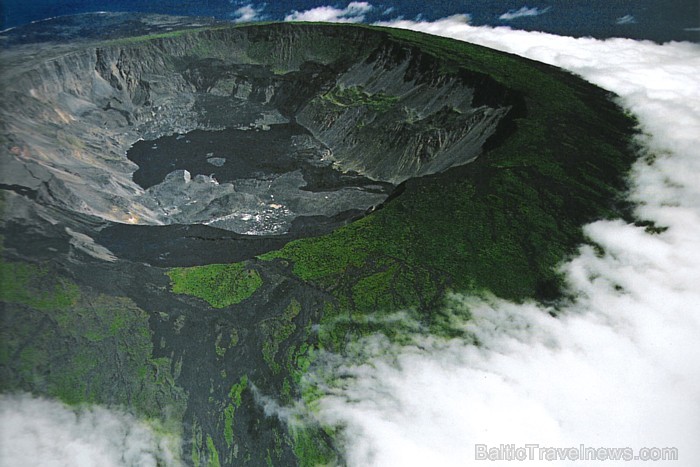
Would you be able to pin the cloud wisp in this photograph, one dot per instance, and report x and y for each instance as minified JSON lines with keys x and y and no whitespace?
{"x":36,"y":431}
{"x":523,"y":13}
{"x":619,"y":367}
{"x":248,"y":13}
{"x":627,"y":19}
{"x":353,"y":13}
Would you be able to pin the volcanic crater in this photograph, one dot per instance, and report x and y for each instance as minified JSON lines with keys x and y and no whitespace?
{"x":277,"y":131}
{"x":193,"y":211}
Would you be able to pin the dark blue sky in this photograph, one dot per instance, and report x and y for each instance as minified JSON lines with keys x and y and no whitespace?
{"x":640,"y":19}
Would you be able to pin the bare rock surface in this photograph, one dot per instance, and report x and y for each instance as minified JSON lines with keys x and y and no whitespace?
{"x":366,"y":119}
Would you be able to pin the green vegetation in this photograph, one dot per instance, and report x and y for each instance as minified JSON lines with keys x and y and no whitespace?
{"x":502,"y":223}
{"x":213,"y":455}
{"x":228,"y":424}
{"x":221,"y":285}
{"x":275,"y":331}
{"x":220,"y":351}
{"x":161,"y":35}
{"x":355,"y":96}
{"x":34,"y":286}
{"x":237,"y":391}
{"x":224,"y":342}
{"x":235,"y":397}
{"x":308,"y":449}
{"x":196,"y":444}
{"x":70,"y":343}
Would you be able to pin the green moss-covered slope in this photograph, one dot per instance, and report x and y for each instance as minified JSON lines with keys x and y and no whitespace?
{"x":219,"y":284}
{"x":77,"y":345}
{"x":501,"y":223}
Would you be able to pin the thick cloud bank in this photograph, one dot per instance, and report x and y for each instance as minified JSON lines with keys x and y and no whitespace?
{"x":45,"y":433}
{"x":619,"y":367}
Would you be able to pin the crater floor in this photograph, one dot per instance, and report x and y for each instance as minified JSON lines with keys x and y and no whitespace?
{"x":254,"y":181}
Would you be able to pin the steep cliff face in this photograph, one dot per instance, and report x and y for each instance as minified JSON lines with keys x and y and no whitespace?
{"x":382,"y":109}
{"x":396,"y":115}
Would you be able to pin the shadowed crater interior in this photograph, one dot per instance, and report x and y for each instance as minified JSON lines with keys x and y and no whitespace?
{"x":251,"y":181}
{"x":263,"y":134}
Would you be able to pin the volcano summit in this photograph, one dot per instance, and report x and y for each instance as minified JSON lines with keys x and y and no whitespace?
{"x":192,"y":210}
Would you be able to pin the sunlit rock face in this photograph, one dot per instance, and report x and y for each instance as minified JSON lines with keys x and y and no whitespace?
{"x":246,"y":129}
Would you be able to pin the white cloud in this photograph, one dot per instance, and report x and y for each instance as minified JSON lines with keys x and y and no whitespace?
{"x":353,"y":13}
{"x":621,"y":366}
{"x":46,"y":433}
{"x":627,"y":19}
{"x":291,"y":415}
{"x":523,"y":12}
{"x":248,"y":13}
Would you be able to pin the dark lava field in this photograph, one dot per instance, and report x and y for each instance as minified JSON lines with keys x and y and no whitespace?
{"x":192,"y":210}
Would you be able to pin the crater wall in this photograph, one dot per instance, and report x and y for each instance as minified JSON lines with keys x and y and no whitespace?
{"x":382,"y":109}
